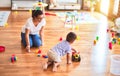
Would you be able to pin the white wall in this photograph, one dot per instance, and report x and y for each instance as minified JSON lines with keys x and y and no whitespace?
{"x":5,"y":3}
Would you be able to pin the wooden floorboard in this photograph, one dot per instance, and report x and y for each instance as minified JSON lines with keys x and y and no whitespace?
{"x":95,"y":58}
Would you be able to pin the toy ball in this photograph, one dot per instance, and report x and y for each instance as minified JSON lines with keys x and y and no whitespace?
{"x":76,"y":57}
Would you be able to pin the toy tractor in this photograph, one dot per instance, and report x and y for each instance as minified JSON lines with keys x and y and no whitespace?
{"x":76,"y":57}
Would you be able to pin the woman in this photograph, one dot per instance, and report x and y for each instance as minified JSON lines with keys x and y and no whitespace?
{"x":32,"y":31}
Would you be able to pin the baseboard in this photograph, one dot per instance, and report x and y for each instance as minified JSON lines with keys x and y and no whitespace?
{"x":5,"y":8}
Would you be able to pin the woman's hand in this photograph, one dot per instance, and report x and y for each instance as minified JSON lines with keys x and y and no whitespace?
{"x":28,"y":48}
{"x":42,"y":44}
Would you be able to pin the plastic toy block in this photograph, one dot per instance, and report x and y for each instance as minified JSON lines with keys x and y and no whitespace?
{"x":94,"y":42}
{"x":110,"y":45}
{"x":60,"y":39}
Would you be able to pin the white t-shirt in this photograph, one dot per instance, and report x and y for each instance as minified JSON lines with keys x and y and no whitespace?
{"x":33,"y":29}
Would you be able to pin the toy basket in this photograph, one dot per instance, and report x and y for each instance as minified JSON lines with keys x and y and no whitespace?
{"x":76,"y":58}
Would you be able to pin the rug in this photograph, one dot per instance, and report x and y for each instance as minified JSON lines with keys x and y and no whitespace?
{"x":80,"y":18}
{"x":4,"y":17}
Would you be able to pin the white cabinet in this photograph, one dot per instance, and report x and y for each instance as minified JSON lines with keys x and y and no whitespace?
{"x":66,"y":5}
{"x":22,"y":4}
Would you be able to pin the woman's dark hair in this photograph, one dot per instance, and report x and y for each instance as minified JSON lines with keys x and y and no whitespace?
{"x":36,"y":13}
{"x":71,"y":36}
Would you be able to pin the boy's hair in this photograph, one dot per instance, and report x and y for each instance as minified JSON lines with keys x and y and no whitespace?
{"x":71,"y":36}
{"x":36,"y":13}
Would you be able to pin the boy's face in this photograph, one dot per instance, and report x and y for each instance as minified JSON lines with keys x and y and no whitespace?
{"x":72,"y":42}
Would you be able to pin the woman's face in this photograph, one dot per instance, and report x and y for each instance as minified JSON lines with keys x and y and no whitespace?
{"x":39,"y":18}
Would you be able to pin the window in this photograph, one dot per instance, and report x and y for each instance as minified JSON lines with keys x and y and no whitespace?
{"x":116,"y":6}
{"x":104,"y":6}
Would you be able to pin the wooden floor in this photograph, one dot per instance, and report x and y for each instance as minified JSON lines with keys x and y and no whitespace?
{"x":95,"y":58}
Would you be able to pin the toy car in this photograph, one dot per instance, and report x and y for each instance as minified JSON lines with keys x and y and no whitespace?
{"x":76,"y":57}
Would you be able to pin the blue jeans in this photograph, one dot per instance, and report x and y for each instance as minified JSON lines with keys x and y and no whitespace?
{"x":33,"y":39}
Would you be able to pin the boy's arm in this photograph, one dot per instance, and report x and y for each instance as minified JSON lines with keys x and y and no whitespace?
{"x":69,"y":58}
{"x":74,"y":50}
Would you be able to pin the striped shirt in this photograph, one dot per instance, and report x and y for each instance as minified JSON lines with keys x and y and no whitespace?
{"x":62,"y":48}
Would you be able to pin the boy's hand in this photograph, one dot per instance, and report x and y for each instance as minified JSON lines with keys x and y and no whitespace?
{"x":69,"y":62}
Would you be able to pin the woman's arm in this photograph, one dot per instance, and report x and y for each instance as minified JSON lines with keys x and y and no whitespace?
{"x":42,"y":34}
{"x":27,"y":39}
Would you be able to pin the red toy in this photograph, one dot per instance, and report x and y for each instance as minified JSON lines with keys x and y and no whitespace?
{"x":52,"y":14}
{"x":107,"y":30}
{"x":13,"y":58}
{"x":113,"y":34}
{"x":60,"y":39}
{"x":44,"y":56}
{"x":39,"y":52}
{"x":2,"y":48}
{"x":110,"y":45}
